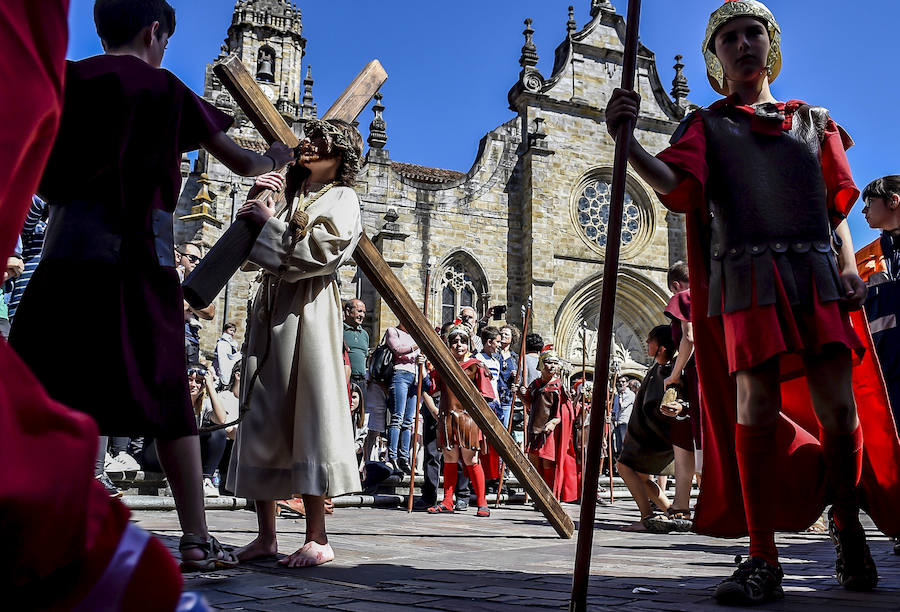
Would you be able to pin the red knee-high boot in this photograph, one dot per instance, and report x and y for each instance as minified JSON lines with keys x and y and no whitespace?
{"x":843,"y":467}
{"x":450,"y":477}
{"x":476,"y":475}
{"x":755,"y":446}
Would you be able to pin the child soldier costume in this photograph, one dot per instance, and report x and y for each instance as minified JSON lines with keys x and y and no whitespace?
{"x":548,"y":400}
{"x":456,"y":429}
{"x":766,"y":186}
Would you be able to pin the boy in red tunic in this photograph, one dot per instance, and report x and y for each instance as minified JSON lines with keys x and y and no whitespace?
{"x":549,"y":441}
{"x":112,"y":183}
{"x":457,"y":433}
{"x":767,"y":187}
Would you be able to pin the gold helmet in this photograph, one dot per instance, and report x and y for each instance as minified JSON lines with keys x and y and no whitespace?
{"x":732,"y":9}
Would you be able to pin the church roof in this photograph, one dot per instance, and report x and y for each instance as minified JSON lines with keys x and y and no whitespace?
{"x":424,"y":173}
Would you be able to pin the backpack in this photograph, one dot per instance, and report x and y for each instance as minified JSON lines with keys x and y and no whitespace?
{"x":381,"y":368}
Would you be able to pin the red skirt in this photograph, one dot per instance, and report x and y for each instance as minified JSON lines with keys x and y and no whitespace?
{"x":758,"y":333}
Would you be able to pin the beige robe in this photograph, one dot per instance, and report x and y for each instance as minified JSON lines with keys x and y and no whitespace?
{"x":297,"y":436}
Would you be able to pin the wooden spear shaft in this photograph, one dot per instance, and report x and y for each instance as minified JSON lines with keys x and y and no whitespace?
{"x":526,"y":315}
{"x":415,"y":435}
{"x":607,"y":427}
{"x":578,"y":602}
{"x":583,"y":383}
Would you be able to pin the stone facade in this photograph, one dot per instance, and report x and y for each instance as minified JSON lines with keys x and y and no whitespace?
{"x":527,"y":219}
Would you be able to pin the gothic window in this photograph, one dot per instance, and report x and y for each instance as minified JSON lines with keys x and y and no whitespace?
{"x":462,"y":285}
{"x":590,"y":212}
{"x":265,"y":65}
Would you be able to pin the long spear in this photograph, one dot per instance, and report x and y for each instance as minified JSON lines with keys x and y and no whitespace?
{"x":520,"y":373}
{"x":415,"y":436}
{"x":583,"y":390}
{"x":607,"y":429}
{"x":578,"y":603}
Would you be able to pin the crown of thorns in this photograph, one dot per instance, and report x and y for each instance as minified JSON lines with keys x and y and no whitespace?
{"x":337,"y":141}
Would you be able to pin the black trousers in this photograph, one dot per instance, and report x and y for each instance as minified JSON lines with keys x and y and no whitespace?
{"x":433,"y":464}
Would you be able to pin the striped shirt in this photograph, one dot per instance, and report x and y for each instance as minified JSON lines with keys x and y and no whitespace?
{"x":32,"y":243}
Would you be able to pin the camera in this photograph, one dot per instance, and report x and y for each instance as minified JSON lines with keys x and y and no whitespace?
{"x":499,"y":311}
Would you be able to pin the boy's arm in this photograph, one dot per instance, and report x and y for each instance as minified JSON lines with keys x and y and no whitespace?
{"x":685,"y":350}
{"x":244,"y":161}
{"x":663,"y":178}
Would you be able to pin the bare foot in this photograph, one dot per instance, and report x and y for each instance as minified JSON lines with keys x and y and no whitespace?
{"x":311,"y":553}
{"x":257,"y":549}
{"x":637,"y":527}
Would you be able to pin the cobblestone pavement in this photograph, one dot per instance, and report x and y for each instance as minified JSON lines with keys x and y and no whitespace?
{"x":390,"y":560}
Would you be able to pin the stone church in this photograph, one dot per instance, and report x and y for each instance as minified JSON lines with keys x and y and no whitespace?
{"x":541,"y":181}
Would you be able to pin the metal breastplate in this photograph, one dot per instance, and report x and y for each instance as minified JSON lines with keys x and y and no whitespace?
{"x":767,"y":202}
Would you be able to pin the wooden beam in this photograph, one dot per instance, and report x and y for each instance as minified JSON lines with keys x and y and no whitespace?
{"x":243,"y":88}
{"x":398,"y":299}
{"x":271,"y":125}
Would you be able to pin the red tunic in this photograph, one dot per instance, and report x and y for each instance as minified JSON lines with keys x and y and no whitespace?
{"x":558,"y":446}
{"x":685,"y":432}
{"x":457,"y":428}
{"x":84,"y":326}
{"x":800,"y":486}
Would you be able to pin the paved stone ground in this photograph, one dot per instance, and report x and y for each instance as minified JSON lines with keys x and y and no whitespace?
{"x":390,"y":560}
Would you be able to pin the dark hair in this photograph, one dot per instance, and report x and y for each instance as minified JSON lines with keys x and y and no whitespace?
{"x":678,"y":272}
{"x":489,"y":333}
{"x":230,"y":324}
{"x":883,"y":187}
{"x":533,"y":343}
{"x":663,"y":336}
{"x":119,"y":21}
{"x":235,"y":372}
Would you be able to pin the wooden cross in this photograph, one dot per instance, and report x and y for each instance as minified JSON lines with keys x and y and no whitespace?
{"x":272,"y":127}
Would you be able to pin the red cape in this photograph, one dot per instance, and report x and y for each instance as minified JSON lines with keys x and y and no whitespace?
{"x":800,"y":482}
{"x":565,"y":478}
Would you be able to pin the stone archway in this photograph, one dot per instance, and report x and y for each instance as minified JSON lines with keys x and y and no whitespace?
{"x":639,"y":307}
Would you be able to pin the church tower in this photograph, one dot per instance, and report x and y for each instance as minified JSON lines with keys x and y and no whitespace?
{"x":266,"y":36}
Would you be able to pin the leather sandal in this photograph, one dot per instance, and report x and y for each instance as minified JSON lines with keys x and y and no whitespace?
{"x":215,"y":556}
{"x":681,"y":518}
{"x":440,"y":509}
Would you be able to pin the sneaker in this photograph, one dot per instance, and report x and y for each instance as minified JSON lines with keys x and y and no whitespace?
{"x":483,"y":511}
{"x":854,"y":567}
{"x":123,"y":462}
{"x":108,"y":463}
{"x":114,"y":491}
{"x":461,"y":505}
{"x":753,"y":582}
{"x":209,"y":489}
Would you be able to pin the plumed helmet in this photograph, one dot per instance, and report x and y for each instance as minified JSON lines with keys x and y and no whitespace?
{"x":547,"y":354}
{"x":732,"y":9}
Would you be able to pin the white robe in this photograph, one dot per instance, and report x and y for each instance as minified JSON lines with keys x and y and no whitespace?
{"x":297,"y":436}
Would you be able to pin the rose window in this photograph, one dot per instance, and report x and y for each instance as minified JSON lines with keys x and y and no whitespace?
{"x":593,"y":214}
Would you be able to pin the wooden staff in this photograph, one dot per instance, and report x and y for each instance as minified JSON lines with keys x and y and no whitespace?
{"x":583,"y":383}
{"x":415,"y":436}
{"x":607,"y":426}
{"x":578,"y":602}
{"x":520,"y":373}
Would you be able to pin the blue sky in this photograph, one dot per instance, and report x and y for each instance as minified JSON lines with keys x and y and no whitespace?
{"x":450,"y":64}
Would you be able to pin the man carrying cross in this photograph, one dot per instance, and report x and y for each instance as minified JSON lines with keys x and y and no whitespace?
{"x":296,"y":436}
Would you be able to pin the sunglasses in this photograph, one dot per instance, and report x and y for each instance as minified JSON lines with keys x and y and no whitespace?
{"x":198,"y":372}
{"x":193,"y":258}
